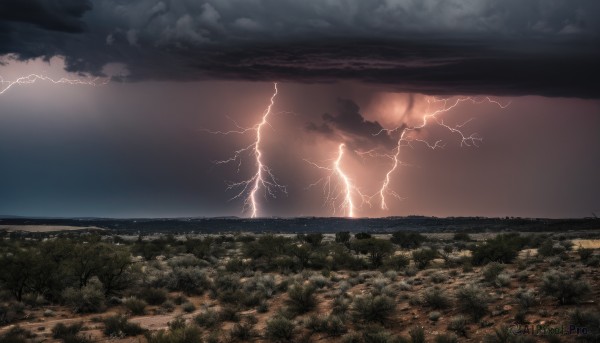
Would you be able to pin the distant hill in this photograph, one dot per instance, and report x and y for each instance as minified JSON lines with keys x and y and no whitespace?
{"x":314,"y":224}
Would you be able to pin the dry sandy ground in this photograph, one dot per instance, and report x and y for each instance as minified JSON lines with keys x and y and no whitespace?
{"x":45,"y":228}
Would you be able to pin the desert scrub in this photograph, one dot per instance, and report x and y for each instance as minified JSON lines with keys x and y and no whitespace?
{"x":526,"y":298}
{"x":564,"y":288}
{"x":191,"y":280}
{"x":434,"y":316}
{"x":242,"y":332}
{"x":373,"y":309}
{"x":438,"y":277}
{"x":119,"y":326}
{"x":68,"y":333}
{"x":89,"y":298}
{"x":435,"y":298}
{"x":446,"y":338}
{"x":208,"y":319}
{"x":136,"y":306}
{"x":423,"y":257}
{"x":473,"y":301}
{"x":491,"y":271}
{"x":417,"y":334}
{"x":187,"y":334}
{"x":188,"y":307}
{"x":459,"y":325}
{"x":279,"y":330}
{"x":153,"y":296}
{"x":301,"y":299}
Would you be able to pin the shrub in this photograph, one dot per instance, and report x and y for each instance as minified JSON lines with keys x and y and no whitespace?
{"x":16,"y":335}
{"x":564,"y":288}
{"x":397,"y":262}
{"x":373,"y":309}
{"x":503,"y":248}
{"x":119,"y":326}
{"x":342,"y":237}
{"x":472,"y":301}
{"x":434,"y":316}
{"x":89,"y":298}
{"x":458,"y":324}
{"x":68,"y":333}
{"x":438,"y":277}
{"x":191,"y":280}
{"x":188,"y":307}
{"x":136,"y":306}
{"x":491,"y":271}
{"x":153,"y":296}
{"x":417,"y":334}
{"x":208,"y":319}
{"x":301,"y":299}
{"x":435,"y":298}
{"x":526,"y":298}
{"x":279,"y":329}
{"x":423,"y":257}
{"x":446,"y":338}
{"x":242,"y":332}
{"x":362,"y":235}
{"x":188,"y":334}
{"x":407,"y":240}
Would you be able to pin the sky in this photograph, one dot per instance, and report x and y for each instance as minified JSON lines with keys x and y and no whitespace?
{"x":495,"y":105}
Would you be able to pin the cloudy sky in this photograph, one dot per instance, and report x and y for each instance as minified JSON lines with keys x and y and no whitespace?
{"x":348,"y":72}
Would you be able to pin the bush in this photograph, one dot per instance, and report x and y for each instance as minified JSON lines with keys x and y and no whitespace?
{"x":435,"y":298}
{"x":397,"y":262}
{"x":564,"y":288}
{"x":69,"y":333}
{"x":472,"y":301}
{"x":491,"y":271}
{"x":423,"y":257}
{"x":362,"y":235}
{"x":242,"y":332}
{"x":136,"y":306}
{"x":342,"y":237}
{"x":526,"y":299}
{"x":191,"y":280}
{"x":153,"y":296}
{"x":188,"y":307}
{"x":279,"y":329}
{"x":458,"y":324}
{"x":417,"y":334}
{"x":188,"y":334}
{"x":446,"y":338}
{"x":208,"y":319}
{"x":407,"y":240}
{"x":89,"y":298}
{"x":301,"y":299}
{"x":16,"y":335}
{"x":119,"y":326}
{"x":503,"y":248}
{"x":373,"y":309}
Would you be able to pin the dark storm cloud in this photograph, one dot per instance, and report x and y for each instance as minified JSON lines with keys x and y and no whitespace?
{"x":349,"y":125}
{"x":53,"y":15}
{"x":497,"y":47}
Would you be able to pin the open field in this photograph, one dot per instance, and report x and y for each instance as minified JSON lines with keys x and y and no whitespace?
{"x":363,"y":288}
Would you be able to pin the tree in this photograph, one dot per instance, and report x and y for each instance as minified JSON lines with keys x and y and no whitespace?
{"x":407,"y":240}
{"x":17,"y":271}
{"x":375,"y":248}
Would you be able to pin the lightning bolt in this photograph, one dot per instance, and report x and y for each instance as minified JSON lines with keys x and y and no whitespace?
{"x":405,"y":138}
{"x":32,"y":78}
{"x":344,"y":189}
{"x":263,"y":176}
